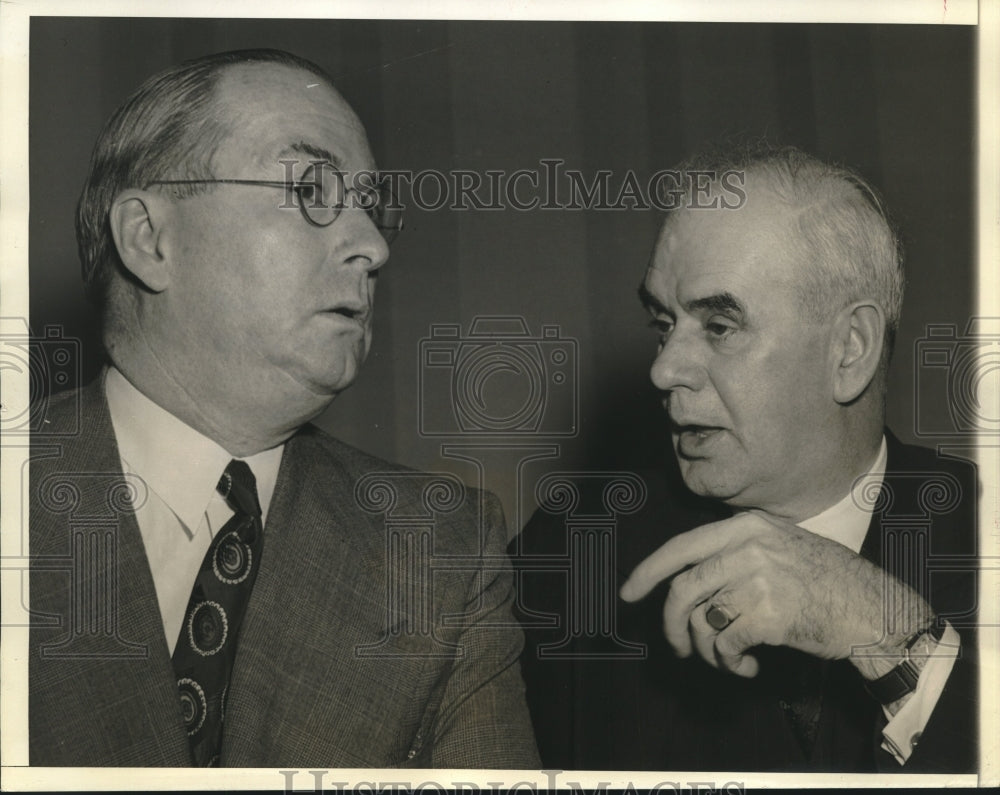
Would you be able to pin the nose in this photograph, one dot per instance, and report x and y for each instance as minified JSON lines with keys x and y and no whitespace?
{"x":362,"y":242}
{"x":676,"y":365}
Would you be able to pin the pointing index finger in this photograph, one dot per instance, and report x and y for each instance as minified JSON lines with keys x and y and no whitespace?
{"x":677,"y":554}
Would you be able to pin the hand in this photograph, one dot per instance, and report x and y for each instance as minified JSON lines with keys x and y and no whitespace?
{"x":782,"y":586}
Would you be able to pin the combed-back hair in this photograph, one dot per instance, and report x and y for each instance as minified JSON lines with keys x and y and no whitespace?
{"x":848,"y":246}
{"x":169,"y":128}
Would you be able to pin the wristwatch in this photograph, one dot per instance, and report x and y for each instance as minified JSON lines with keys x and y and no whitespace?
{"x":902,"y":679}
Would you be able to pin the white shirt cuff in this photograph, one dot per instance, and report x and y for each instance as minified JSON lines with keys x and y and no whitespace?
{"x":902,"y":733}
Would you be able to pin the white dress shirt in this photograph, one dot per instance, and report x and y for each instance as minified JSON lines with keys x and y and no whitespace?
{"x":847,"y":523}
{"x":182,"y":511}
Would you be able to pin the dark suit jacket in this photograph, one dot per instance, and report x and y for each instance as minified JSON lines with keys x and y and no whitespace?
{"x":359,"y":648}
{"x":606,"y":710}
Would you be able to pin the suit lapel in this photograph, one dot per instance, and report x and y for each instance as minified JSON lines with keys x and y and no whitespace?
{"x":319,"y":546}
{"x":119,"y":645}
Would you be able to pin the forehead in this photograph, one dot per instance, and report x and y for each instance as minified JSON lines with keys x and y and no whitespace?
{"x":276,"y":112}
{"x":744,"y":251}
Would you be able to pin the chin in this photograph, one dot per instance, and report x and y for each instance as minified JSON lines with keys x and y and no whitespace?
{"x":324,"y":382}
{"x":707,"y":481}
{"x":330,"y":369}
{"x":334,"y":385}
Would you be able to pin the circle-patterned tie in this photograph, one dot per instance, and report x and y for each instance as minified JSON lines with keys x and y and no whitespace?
{"x":205,"y":650}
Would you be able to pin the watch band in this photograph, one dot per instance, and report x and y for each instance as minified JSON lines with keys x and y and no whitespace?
{"x":902,"y":679}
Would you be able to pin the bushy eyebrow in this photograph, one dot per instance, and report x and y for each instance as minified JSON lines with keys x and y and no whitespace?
{"x":650,"y":301}
{"x":722,"y":302}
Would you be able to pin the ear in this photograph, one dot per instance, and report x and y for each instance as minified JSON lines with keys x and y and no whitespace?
{"x":860,"y":337}
{"x":137,"y":221}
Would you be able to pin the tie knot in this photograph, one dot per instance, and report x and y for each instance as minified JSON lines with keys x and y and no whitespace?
{"x":239,"y":488}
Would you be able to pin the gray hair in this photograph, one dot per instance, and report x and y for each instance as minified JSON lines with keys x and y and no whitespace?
{"x":167,"y":129}
{"x":848,"y":244}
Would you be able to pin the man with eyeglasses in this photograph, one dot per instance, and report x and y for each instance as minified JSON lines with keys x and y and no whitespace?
{"x":249,"y":605}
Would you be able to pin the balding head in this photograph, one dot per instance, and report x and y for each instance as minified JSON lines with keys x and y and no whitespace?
{"x":847,"y":247}
{"x":169,"y":128}
{"x":238,"y":286}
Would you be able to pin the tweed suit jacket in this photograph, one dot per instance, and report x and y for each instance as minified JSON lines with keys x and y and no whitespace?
{"x":378,"y":632}
{"x":599,"y":706}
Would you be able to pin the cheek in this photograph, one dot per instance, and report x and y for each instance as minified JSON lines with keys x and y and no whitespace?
{"x":766,"y":396}
{"x":752,"y":389}
{"x":270,"y":279}
{"x":784,"y":396}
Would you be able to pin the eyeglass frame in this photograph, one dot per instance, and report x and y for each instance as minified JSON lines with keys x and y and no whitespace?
{"x":388,"y":232}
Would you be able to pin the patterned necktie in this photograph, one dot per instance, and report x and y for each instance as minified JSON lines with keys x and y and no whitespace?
{"x":206,"y":647}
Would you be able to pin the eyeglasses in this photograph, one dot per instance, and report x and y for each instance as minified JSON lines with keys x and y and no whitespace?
{"x":321,"y":194}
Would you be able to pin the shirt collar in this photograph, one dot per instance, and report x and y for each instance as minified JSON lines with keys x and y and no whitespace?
{"x":847,"y":521}
{"x":177,"y":462}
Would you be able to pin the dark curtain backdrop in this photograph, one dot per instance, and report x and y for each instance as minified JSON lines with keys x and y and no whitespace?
{"x":896,"y":102}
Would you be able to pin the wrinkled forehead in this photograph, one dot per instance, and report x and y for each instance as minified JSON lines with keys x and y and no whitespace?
{"x":276,"y":112}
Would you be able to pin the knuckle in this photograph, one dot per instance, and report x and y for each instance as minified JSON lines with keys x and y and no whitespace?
{"x":754,"y":556}
{"x":728,"y":643}
{"x":767,"y":615}
{"x":761,"y":587}
{"x":684,"y":579}
{"x":770,"y":628}
{"x":758,"y":522}
{"x":710,"y":567}
{"x":739,"y":637}
{"x":683,"y":587}
{"x":724,"y":599}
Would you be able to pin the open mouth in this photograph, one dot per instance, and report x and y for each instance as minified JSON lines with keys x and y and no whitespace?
{"x":694,"y":439}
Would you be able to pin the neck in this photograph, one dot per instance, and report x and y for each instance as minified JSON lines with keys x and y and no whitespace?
{"x":848,"y":454}
{"x":242,"y":427}
{"x":833,"y":488}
